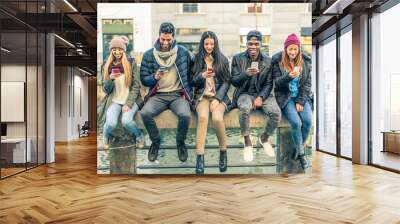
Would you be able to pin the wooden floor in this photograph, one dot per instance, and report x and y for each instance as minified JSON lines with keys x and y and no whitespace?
{"x":70,"y":191}
{"x":10,"y":171}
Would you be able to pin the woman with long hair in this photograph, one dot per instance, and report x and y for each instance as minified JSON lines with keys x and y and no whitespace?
{"x":292,"y":78}
{"x":211,"y":82}
{"x":122,"y":88}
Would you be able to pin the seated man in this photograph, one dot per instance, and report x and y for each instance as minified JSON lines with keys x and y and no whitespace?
{"x":251,"y":75}
{"x":165,"y":69}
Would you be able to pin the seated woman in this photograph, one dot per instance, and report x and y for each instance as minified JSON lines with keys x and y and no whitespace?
{"x":292,"y":77}
{"x":122,"y":92}
{"x":211,"y":81}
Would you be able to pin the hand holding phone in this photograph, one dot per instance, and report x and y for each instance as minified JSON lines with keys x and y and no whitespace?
{"x":161,"y":72}
{"x":254,"y":65}
{"x":210,"y":72}
{"x":253,"y":70}
{"x":163,"y":69}
{"x":296,"y":72}
{"x":115,"y":72}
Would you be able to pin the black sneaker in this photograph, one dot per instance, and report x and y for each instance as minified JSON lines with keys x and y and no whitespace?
{"x":200,"y":165}
{"x":223,"y":161}
{"x":153,"y":151}
{"x":182,"y":151}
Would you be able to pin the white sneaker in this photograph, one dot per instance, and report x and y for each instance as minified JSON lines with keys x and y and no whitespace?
{"x":269,"y":151}
{"x":140,"y":142}
{"x":248,"y":153}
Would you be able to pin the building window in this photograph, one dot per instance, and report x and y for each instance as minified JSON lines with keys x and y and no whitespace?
{"x":117,"y":27}
{"x":309,"y":8}
{"x":191,"y":46}
{"x":254,"y":8}
{"x":190,"y":7}
{"x":346,"y":94}
{"x":107,"y":21}
{"x":306,"y":39}
{"x":306,"y":43}
{"x":190,"y":31}
{"x":265,"y":43}
{"x":385,"y":90}
{"x":117,"y":21}
{"x":327,"y":96}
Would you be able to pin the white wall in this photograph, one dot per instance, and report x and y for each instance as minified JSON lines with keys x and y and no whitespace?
{"x":14,"y":73}
{"x":69,"y":82}
{"x":33,"y":126}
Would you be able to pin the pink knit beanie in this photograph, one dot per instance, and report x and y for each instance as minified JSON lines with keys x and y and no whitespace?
{"x":292,"y":39}
{"x":120,"y":41}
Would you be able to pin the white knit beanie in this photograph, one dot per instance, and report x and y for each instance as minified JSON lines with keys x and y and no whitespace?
{"x":120,"y":41}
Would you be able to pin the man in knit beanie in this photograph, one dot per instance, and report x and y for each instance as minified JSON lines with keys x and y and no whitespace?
{"x":251,"y":75}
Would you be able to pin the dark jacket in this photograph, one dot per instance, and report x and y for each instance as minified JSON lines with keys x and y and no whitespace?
{"x":149,"y":67}
{"x":221,"y":86}
{"x":240,"y":63}
{"x":282,"y":79}
{"x":108,"y":88}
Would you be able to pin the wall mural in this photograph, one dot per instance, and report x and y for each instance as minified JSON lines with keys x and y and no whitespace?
{"x":210,"y":90}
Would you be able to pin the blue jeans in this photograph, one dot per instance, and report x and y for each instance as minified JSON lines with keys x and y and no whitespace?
{"x":300,"y":123}
{"x":127,"y":119}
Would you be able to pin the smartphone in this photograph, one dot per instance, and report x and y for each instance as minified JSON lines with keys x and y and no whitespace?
{"x":254,"y":64}
{"x":296,"y":69}
{"x":115,"y":70}
{"x":163,"y":69}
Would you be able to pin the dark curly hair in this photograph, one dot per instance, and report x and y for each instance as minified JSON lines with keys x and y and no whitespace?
{"x":167,"y":28}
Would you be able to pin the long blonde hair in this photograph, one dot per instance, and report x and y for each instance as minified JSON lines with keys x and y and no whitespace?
{"x":125,"y":64}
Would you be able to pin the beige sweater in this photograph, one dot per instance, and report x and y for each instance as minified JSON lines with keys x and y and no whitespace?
{"x":121,"y":91}
{"x":170,"y":81}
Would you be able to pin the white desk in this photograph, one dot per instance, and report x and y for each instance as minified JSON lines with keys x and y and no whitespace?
{"x":18,"y":145}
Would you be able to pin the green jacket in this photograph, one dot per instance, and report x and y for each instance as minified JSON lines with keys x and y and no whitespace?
{"x":108,"y":88}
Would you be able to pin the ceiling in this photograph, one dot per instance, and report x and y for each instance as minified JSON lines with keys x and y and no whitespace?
{"x":330,"y":15}
{"x":76,"y":20}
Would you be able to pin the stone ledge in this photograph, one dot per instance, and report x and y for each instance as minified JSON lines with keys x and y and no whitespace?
{"x":167,"y":119}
